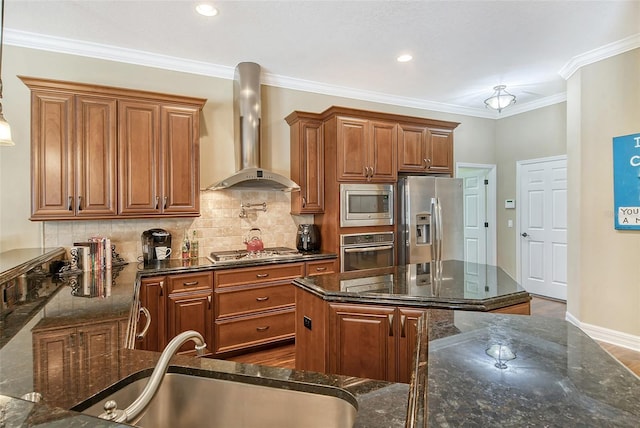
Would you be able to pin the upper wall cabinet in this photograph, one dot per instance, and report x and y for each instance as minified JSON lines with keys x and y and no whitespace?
{"x":99,"y":152}
{"x":366,"y":149}
{"x":424,"y":149}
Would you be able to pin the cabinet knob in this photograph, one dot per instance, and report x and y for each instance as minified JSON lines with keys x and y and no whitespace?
{"x":79,"y":203}
{"x":165,"y":203}
{"x":157,"y":201}
{"x":390,"y":324}
{"x":304,"y":202}
{"x":69,"y":205}
{"x":427,"y":163}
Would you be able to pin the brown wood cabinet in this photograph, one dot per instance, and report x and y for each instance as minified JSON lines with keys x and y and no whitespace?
{"x":363,"y":340}
{"x":177,"y":303}
{"x":100,"y":152}
{"x":307,"y":164}
{"x":422,"y":149}
{"x":152,"y":296}
{"x":73,"y":156}
{"x":254,"y":306}
{"x":66,"y":357}
{"x":366,"y":150}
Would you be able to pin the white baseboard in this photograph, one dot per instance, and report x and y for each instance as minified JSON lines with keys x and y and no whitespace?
{"x":602,"y":334}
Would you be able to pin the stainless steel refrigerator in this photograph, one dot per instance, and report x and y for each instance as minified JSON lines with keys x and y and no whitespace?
{"x":430,"y":225}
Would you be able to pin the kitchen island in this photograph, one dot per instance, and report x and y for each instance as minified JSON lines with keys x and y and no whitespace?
{"x":339,"y":315}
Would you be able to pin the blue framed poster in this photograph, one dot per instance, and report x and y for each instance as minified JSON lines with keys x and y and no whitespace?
{"x":626,"y":182}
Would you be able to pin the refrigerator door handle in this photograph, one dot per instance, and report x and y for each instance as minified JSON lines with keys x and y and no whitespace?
{"x":436,"y":229}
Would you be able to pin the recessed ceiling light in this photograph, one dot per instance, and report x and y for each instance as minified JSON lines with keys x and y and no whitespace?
{"x":404,"y":58}
{"x":206,"y":10}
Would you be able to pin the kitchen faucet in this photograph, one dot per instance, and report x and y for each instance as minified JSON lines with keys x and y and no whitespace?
{"x":132,"y":413}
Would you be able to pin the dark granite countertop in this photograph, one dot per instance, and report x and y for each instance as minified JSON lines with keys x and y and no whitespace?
{"x":560,"y":377}
{"x":81,"y":302}
{"x":457,"y":285}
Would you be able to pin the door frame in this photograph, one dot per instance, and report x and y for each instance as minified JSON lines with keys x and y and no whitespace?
{"x":492,"y":247}
{"x":519,"y":165}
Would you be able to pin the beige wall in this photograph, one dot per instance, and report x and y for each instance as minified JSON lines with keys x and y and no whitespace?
{"x":219,"y":225}
{"x":536,"y":134}
{"x":604,"y":276}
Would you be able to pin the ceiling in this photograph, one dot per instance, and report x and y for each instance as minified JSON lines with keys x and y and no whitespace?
{"x":461,"y":49}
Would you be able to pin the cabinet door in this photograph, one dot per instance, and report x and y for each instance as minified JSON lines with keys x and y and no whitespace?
{"x":139,"y":160}
{"x":440,"y":151}
{"x":190,"y":311}
{"x":353,"y":151}
{"x":52,"y":155}
{"x":383,"y":148}
{"x":307,"y":167}
{"x":362,"y":341}
{"x":152,"y":296}
{"x":407,"y":337}
{"x":412,"y":148}
{"x":181,"y":157}
{"x":95,"y":177}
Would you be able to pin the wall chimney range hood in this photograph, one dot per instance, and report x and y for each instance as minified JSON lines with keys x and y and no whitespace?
{"x":247,"y":137}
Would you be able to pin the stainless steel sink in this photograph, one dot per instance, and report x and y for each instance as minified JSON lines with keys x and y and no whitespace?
{"x":192,"y":401}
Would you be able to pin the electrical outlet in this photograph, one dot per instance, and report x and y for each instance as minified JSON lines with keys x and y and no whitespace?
{"x":307,"y":322}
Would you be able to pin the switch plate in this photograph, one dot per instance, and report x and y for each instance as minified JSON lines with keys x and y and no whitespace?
{"x":307,"y":322}
{"x":509,"y":223}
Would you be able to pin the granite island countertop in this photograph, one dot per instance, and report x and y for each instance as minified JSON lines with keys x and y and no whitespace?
{"x":452,"y":285}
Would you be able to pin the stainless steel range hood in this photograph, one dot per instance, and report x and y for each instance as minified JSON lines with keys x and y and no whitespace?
{"x":247,"y":137}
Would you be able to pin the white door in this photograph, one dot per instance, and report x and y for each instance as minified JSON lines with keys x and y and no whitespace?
{"x":542,"y":226}
{"x":475,"y":219}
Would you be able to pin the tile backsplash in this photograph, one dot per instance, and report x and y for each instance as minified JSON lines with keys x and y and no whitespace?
{"x":219,"y":226}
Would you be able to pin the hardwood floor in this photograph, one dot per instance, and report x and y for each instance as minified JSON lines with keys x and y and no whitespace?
{"x":284,"y":356}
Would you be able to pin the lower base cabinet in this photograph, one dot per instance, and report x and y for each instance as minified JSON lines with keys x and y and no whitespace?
{"x":176,"y":303}
{"x":362,"y":340}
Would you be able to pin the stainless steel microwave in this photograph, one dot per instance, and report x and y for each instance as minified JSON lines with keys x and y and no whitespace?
{"x":366,"y":205}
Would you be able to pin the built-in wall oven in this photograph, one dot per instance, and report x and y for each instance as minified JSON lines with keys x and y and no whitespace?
{"x":366,"y":204}
{"x":359,"y":251}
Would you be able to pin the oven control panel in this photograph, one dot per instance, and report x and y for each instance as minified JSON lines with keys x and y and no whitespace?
{"x":366,"y":238}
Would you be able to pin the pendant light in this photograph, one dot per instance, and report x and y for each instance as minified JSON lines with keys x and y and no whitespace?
{"x":5,"y":129}
{"x":500,"y":98}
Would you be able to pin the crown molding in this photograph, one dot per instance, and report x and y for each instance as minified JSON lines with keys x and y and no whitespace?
{"x":598,"y":54}
{"x":130,"y":56}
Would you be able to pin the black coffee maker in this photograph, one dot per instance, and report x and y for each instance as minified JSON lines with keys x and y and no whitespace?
{"x":308,"y":238}
{"x":156,"y":246}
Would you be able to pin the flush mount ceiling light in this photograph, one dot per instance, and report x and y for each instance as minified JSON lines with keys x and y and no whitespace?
{"x":206,"y":10}
{"x":500,"y":98}
{"x":404,"y":58}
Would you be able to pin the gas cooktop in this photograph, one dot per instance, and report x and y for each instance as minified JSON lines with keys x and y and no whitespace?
{"x":238,"y":256}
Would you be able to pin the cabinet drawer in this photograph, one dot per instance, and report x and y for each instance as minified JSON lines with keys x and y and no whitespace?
{"x":256,"y":330}
{"x":253,"y":299}
{"x":321,"y":267}
{"x":190,"y":282}
{"x":258,"y":274}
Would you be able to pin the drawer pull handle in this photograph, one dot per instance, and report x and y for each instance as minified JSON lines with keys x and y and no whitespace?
{"x":190,"y":283}
{"x":321,"y":269}
{"x":262,"y":328}
{"x":262,"y":275}
{"x":262,"y":299}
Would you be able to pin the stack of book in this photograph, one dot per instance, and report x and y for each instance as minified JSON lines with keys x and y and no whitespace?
{"x":94,"y":254}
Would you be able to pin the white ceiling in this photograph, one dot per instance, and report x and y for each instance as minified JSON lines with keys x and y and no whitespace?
{"x":461,"y":49}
